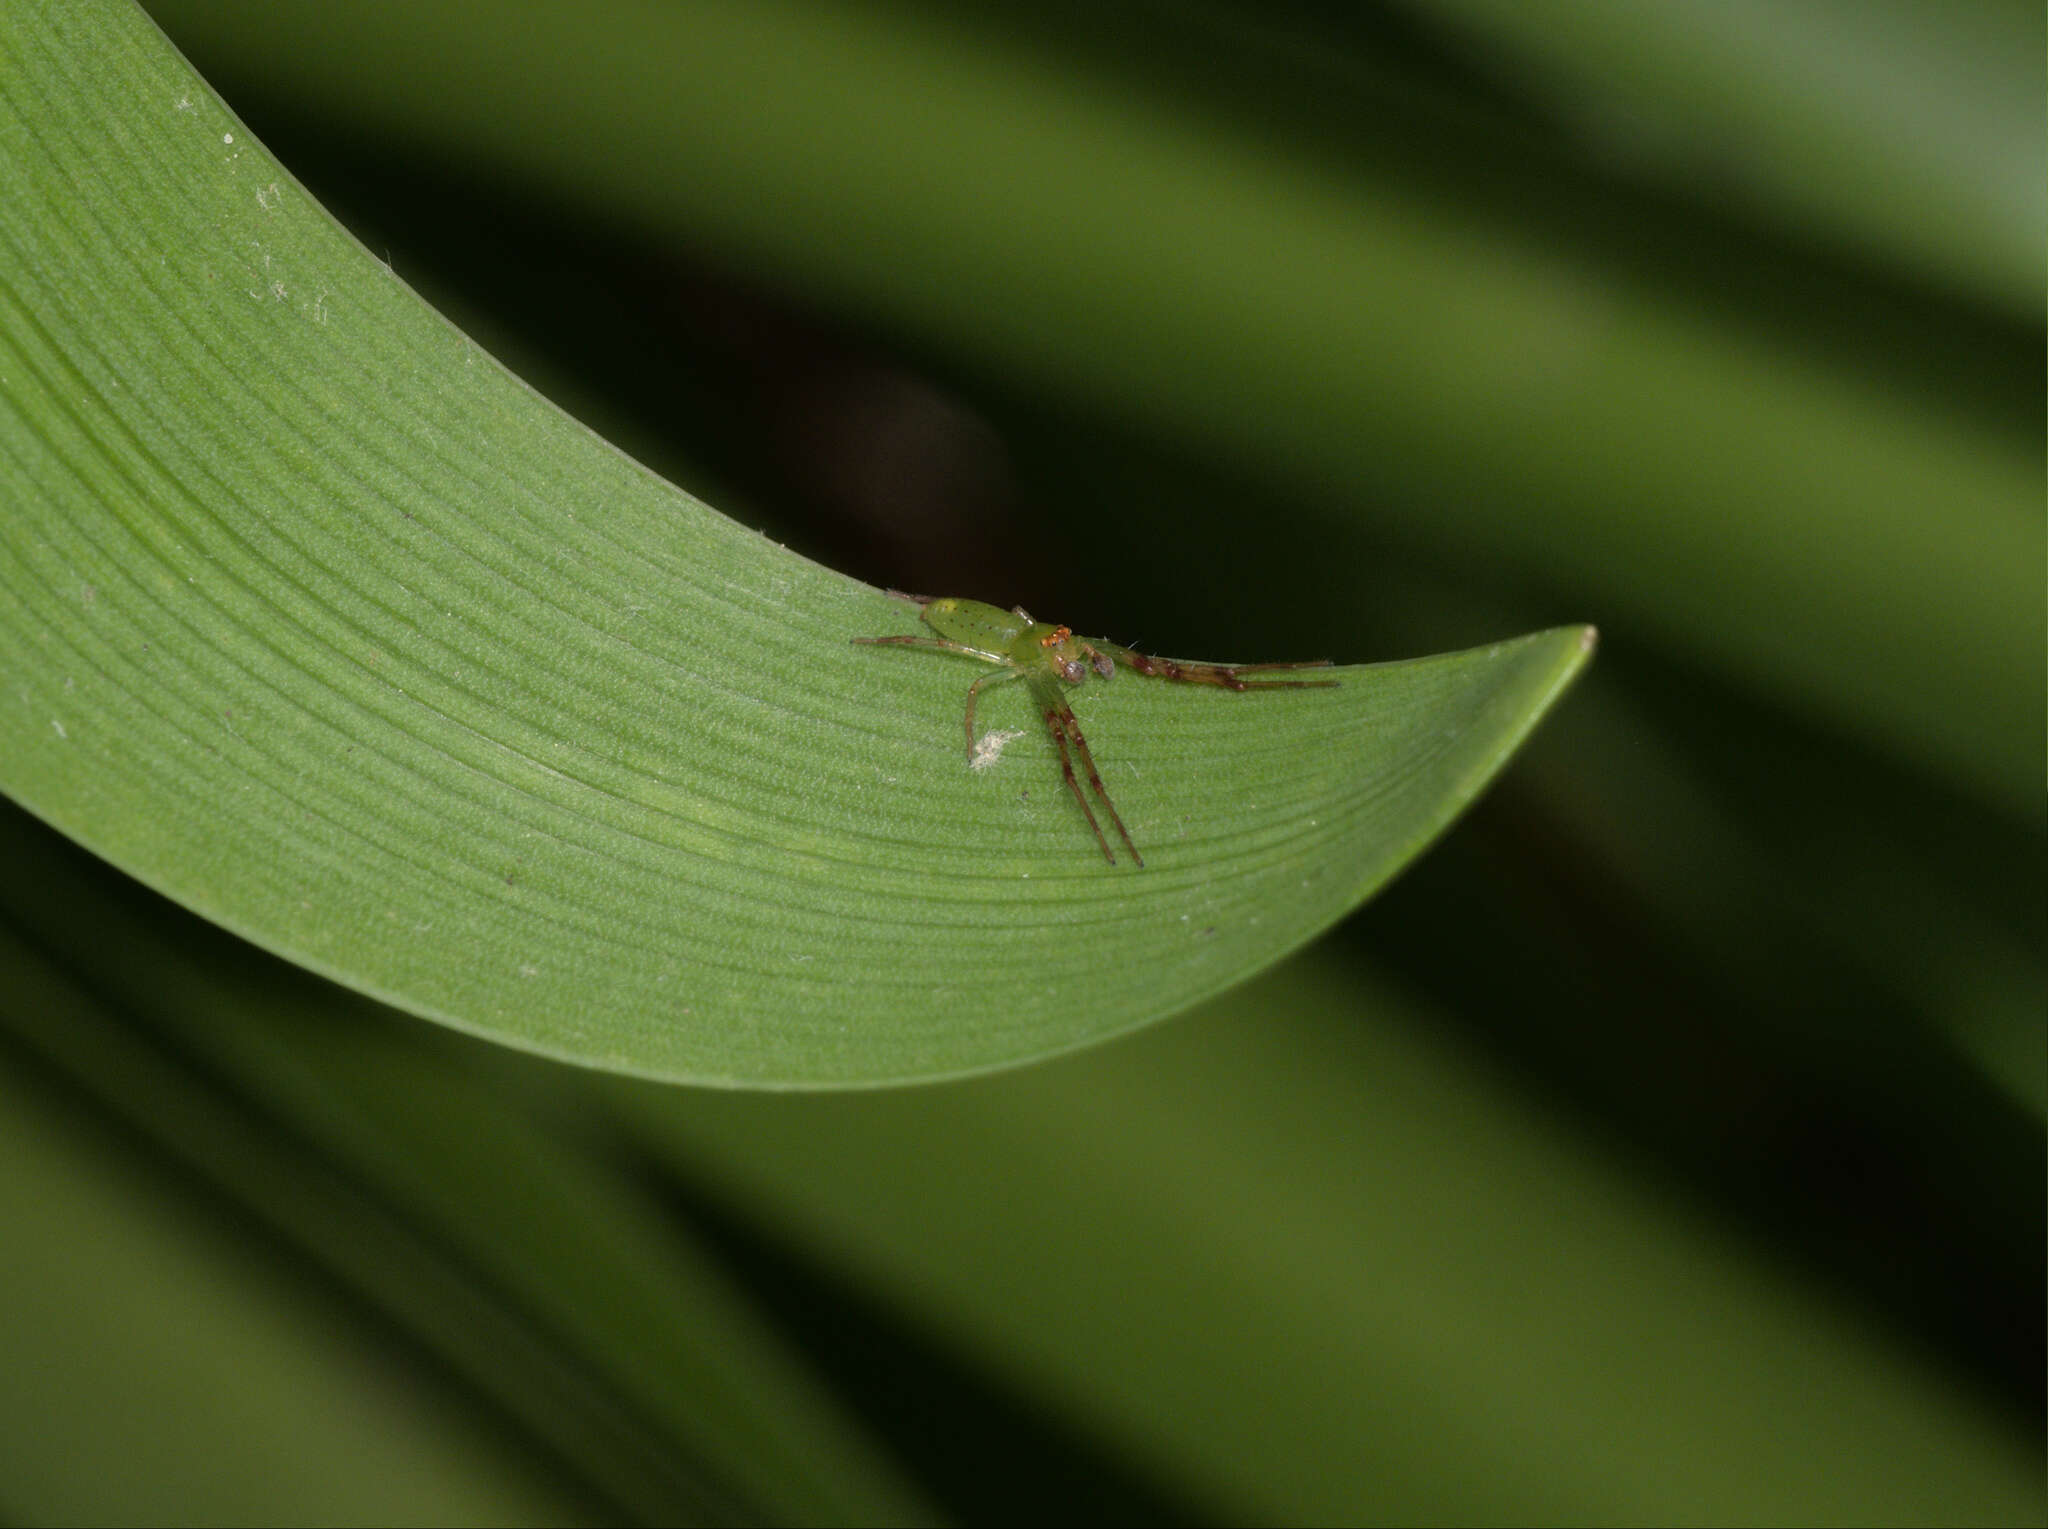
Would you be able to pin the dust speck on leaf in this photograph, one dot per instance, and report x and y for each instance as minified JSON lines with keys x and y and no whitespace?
{"x":988,"y":748}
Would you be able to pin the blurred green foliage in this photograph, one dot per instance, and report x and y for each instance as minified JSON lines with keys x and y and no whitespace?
{"x":1665,"y":1147}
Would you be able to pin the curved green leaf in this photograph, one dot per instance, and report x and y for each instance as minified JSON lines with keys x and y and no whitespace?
{"x":322,"y":624}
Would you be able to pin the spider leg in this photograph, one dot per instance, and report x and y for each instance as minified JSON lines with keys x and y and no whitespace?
{"x":993,"y":677}
{"x":1073,"y":728}
{"x":1229,"y":676}
{"x":1059,"y":736}
{"x":938,"y":643}
{"x":1061,"y":723}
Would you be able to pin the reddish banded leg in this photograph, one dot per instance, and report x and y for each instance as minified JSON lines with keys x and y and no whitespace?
{"x":1226,"y":675}
{"x":1061,"y":723}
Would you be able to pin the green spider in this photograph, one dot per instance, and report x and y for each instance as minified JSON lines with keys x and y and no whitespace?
{"x":1046,"y":657}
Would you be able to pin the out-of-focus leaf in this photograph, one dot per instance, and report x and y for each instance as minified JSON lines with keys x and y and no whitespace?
{"x":1908,"y":129}
{"x":1306,"y":1258}
{"x":581,"y":1329}
{"x":160,"y":1367}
